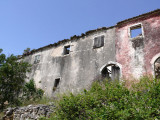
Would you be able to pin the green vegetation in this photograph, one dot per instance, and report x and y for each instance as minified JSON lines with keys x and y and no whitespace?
{"x":13,"y":89}
{"x":27,"y":50}
{"x":30,"y":92}
{"x":1,"y":114}
{"x":12,"y":76}
{"x":107,"y":100}
{"x":43,"y":100}
{"x":33,"y":95}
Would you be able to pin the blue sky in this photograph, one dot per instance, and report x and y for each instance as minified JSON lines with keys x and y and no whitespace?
{"x":36,"y":23}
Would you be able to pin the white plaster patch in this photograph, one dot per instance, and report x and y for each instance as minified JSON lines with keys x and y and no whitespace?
{"x":75,"y":70}
{"x":37,"y":78}
{"x":137,"y":62}
{"x":155,"y":24}
{"x":57,"y":51}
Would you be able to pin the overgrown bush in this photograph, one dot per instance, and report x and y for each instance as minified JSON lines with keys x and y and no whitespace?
{"x":107,"y":100}
{"x":30,"y":92}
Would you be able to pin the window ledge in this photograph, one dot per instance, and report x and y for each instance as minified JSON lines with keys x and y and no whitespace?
{"x":137,"y":37}
{"x":66,"y":55}
{"x":97,"y":47}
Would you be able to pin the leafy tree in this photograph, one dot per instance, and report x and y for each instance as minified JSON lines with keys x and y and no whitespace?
{"x":26,"y":50}
{"x":12,"y":78}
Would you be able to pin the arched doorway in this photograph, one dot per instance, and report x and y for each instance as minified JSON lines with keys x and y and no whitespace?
{"x":157,"y":68}
{"x":155,"y":62}
{"x":111,"y":71}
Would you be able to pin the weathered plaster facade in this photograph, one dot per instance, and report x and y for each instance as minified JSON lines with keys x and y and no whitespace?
{"x":77,"y":69}
{"x":71,"y":65}
{"x":135,"y":54}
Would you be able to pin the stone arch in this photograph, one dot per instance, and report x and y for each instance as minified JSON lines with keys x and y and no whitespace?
{"x":111,"y":70}
{"x":155,"y":62}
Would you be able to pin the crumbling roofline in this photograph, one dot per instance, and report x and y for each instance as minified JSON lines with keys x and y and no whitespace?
{"x":72,"y":38}
{"x":75,"y":37}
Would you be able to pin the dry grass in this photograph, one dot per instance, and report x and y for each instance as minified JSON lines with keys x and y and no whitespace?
{"x":1,"y":115}
{"x":43,"y":100}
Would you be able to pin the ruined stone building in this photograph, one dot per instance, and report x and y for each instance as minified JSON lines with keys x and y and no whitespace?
{"x":129,"y":49}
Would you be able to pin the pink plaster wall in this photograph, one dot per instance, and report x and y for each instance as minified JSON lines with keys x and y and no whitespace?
{"x":152,"y":40}
{"x":151,"y":45}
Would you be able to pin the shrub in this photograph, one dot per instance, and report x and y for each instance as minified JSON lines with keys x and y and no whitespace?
{"x":30,"y":92}
{"x":107,"y":100}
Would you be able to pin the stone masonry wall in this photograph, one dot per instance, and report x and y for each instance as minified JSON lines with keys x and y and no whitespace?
{"x":31,"y":112}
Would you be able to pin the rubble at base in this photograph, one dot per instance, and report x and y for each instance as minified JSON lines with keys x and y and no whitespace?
{"x":31,"y":112}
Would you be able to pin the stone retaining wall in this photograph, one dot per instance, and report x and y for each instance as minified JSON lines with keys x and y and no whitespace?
{"x":31,"y":112}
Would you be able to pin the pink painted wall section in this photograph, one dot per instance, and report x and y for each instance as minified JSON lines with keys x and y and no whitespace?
{"x":135,"y":61}
{"x":122,"y":51}
{"x":152,"y":41}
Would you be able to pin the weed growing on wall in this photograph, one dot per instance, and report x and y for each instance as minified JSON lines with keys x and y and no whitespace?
{"x":30,"y":92}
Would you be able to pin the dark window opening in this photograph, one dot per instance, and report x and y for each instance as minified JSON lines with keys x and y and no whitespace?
{"x":56,"y":83}
{"x":106,"y":73}
{"x":111,"y":72}
{"x":136,"y":31}
{"x":66,"y":50}
{"x":157,"y":68}
{"x":37,"y":59}
{"x":98,"y":42}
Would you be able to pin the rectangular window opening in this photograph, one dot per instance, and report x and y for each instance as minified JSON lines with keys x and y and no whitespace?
{"x":98,"y":42}
{"x":37,"y":59}
{"x":136,"y":31}
{"x":56,"y":83}
{"x":67,"y":50}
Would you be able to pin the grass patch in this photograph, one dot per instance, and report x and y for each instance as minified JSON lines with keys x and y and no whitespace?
{"x":43,"y":100}
{"x":1,"y":115}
